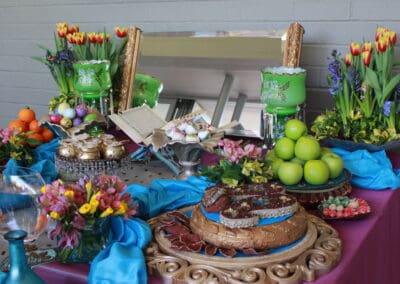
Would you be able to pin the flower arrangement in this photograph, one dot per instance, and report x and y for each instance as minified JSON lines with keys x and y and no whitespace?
{"x":15,"y":144}
{"x":72,"y":45}
{"x":78,"y":205}
{"x":240,"y":163}
{"x":366,"y":93}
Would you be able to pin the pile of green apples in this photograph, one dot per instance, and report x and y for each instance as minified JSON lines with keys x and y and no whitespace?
{"x":297,"y":156}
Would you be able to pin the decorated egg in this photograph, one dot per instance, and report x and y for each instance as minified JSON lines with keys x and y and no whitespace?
{"x":81,"y":110}
{"x":66,"y":122}
{"x":69,"y":113}
{"x":62,"y":107}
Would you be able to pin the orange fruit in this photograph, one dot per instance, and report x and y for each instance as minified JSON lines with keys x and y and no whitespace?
{"x":26,"y":114}
{"x":47,"y":135}
{"x":18,"y":124}
{"x":35,"y":136}
{"x":34,"y":126}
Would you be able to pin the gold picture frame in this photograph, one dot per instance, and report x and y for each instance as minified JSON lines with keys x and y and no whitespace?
{"x":129,"y":68}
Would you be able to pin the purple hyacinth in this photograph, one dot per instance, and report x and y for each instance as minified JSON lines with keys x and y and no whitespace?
{"x":335,"y":76}
{"x":386,"y":108}
{"x":354,"y":79}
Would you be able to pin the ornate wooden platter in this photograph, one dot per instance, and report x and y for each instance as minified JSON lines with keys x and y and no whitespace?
{"x":317,"y":253}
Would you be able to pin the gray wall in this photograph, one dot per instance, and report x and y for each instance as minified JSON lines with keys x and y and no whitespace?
{"x":328,"y":25}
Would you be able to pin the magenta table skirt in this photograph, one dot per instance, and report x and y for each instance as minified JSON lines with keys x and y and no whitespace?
{"x":370,"y":246}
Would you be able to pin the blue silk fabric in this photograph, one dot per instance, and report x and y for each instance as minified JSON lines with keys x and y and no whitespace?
{"x":372,"y":171}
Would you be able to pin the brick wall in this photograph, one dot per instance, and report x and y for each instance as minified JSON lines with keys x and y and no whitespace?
{"x":328,"y":25}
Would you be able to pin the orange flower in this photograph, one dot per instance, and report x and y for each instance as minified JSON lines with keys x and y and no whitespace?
{"x":347,"y":59}
{"x":91,"y":37}
{"x":355,"y":48}
{"x":62,"y":29}
{"x":73,"y":29}
{"x":367,"y":55}
{"x":121,"y":32}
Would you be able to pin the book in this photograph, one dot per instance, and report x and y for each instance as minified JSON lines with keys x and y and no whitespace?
{"x":138,"y":123}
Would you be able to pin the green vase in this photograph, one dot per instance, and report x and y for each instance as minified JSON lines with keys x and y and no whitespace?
{"x":146,"y":91}
{"x":92,"y":78}
{"x":283,"y":89}
{"x":94,"y":237}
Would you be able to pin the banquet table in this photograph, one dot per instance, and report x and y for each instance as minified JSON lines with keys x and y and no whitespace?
{"x":370,"y":246}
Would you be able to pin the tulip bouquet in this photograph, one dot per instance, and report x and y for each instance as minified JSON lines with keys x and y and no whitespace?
{"x":73,"y":45}
{"x":239,"y":164}
{"x":366,"y":93}
{"x":78,"y":206}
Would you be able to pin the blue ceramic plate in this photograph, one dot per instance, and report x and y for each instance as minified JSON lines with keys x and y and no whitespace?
{"x":353,"y":146}
{"x":332,"y":183}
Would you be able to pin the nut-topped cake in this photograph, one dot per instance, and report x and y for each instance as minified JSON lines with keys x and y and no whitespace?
{"x":259,"y":216}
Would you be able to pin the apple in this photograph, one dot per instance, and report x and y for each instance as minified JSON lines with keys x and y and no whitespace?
{"x":284,"y":148}
{"x":298,"y":161}
{"x":295,"y":128}
{"x":55,"y":118}
{"x":335,"y":164}
{"x":307,"y":148}
{"x":316,"y":172}
{"x":275,"y":165}
{"x":325,"y":150}
{"x":290,"y":173}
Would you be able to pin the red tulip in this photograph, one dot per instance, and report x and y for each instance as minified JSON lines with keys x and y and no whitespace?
{"x":380,"y":31}
{"x":62,"y":29}
{"x":367,"y":46}
{"x":80,"y":38}
{"x":92,"y":37}
{"x":347,"y":59}
{"x":366,"y":55}
{"x":70,"y":38}
{"x":355,"y":48}
{"x":73,"y":29}
{"x":100,"y":38}
{"x":121,"y":32}
{"x":392,"y":37}
{"x":382,"y":44}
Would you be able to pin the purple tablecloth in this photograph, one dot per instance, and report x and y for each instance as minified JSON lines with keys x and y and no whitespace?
{"x":370,"y":246}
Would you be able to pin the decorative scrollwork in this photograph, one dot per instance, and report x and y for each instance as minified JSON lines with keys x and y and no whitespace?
{"x":316,"y":254}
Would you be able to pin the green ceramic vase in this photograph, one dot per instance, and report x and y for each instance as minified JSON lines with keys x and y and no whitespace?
{"x":283,"y":89}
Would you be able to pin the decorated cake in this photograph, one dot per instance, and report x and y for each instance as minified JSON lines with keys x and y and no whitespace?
{"x":251,"y":219}
{"x":258,"y":216}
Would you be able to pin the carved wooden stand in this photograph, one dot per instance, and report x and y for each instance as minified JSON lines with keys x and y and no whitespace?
{"x":316,"y":254}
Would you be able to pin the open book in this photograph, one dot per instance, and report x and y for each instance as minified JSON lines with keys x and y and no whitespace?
{"x":138,"y":123}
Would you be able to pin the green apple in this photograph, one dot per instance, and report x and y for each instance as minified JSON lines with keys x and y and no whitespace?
{"x":295,"y":128}
{"x":290,"y":173}
{"x":316,"y":172}
{"x":298,"y":161}
{"x":284,"y":148}
{"x":271,"y":156}
{"x":307,"y":148}
{"x":335,"y":164}
{"x":325,"y":150}
{"x":275,"y":165}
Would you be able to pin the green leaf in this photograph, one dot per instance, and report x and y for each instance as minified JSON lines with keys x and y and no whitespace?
{"x":373,"y":81}
{"x":390,"y":86}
